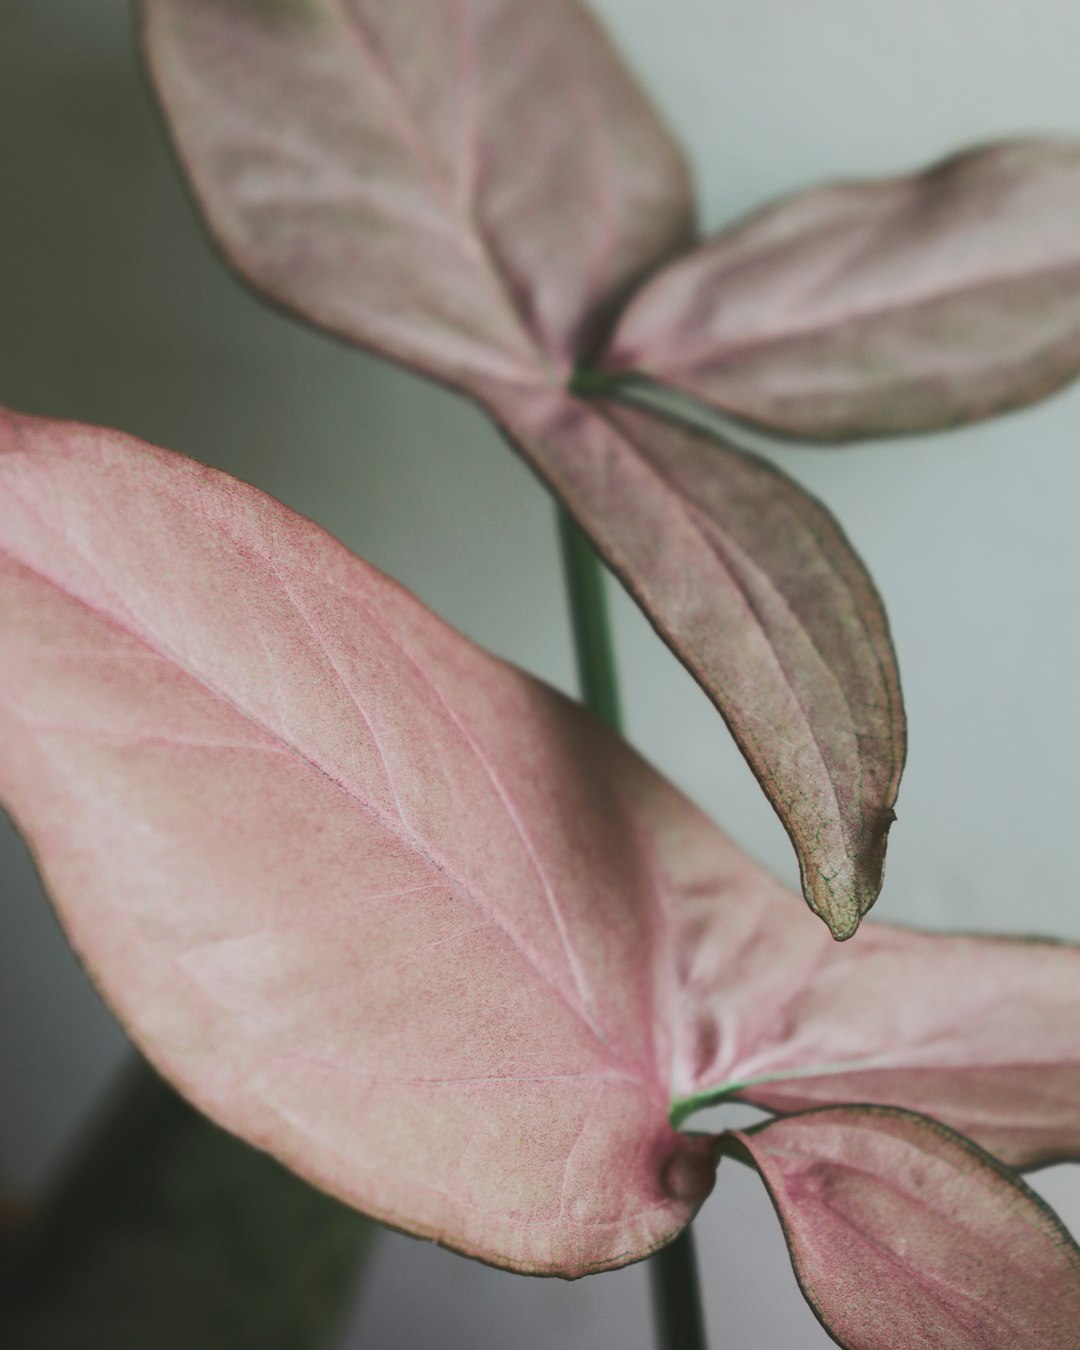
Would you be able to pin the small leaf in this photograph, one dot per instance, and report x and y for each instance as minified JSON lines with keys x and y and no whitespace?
{"x":878,"y":308}
{"x":979,"y":1032}
{"x":371,"y":899}
{"x":465,"y":187}
{"x":904,"y":1234}
{"x":753,"y":585}
{"x":400,"y":175}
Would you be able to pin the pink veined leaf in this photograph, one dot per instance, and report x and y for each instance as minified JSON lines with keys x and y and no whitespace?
{"x":372,"y":899}
{"x":467,"y":186}
{"x":878,"y":308}
{"x":448,"y":213}
{"x":904,"y":1234}
{"x":979,"y":1032}
{"x":754,"y":585}
{"x":375,"y":901}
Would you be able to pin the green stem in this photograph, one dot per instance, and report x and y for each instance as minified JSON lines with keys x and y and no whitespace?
{"x":676,"y":1295}
{"x":587,"y":383}
{"x":680,"y":1322}
{"x":592,"y":629}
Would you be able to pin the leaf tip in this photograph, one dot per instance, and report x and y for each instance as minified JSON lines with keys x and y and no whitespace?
{"x":843,"y":900}
{"x":843,"y":929}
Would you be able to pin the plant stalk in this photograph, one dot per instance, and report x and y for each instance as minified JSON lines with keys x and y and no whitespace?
{"x":593,"y":647}
{"x":680,"y":1323}
{"x":680,"y":1320}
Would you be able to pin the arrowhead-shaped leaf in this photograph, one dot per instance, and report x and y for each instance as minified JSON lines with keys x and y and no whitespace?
{"x":467,"y":187}
{"x":377,"y":902}
{"x":370,"y":898}
{"x":979,"y":1032}
{"x":878,"y":308}
{"x":904,"y":1234}
{"x":754,"y":585}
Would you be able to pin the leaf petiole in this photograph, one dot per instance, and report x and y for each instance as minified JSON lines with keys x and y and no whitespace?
{"x":680,"y":1321}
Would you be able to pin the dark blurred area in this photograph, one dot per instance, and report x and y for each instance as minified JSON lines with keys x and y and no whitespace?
{"x":164,"y":1231}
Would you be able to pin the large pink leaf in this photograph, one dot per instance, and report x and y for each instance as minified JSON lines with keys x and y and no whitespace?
{"x":877,"y":308}
{"x":904,"y":1236}
{"x":466,"y":185}
{"x":754,"y":585}
{"x":980,"y":1032}
{"x":373,"y":900}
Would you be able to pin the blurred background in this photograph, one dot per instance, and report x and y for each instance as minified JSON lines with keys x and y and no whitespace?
{"x":113,"y":309}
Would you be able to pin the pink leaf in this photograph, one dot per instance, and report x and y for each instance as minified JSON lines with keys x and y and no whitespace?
{"x":467,"y":187}
{"x":373,"y":900}
{"x":979,"y":1032}
{"x":754,"y":586}
{"x":390,"y":909}
{"x":878,"y":308}
{"x":904,"y":1234}
{"x":450,"y":213}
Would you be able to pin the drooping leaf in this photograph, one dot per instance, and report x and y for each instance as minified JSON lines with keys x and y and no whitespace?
{"x":467,"y":187}
{"x":979,"y":1032}
{"x":371,"y":899}
{"x":878,"y":308}
{"x":753,"y":584}
{"x":454,"y":216}
{"x":903,"y":1233}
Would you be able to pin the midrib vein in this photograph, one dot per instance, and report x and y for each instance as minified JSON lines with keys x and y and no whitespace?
{"x":133,"y":628}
